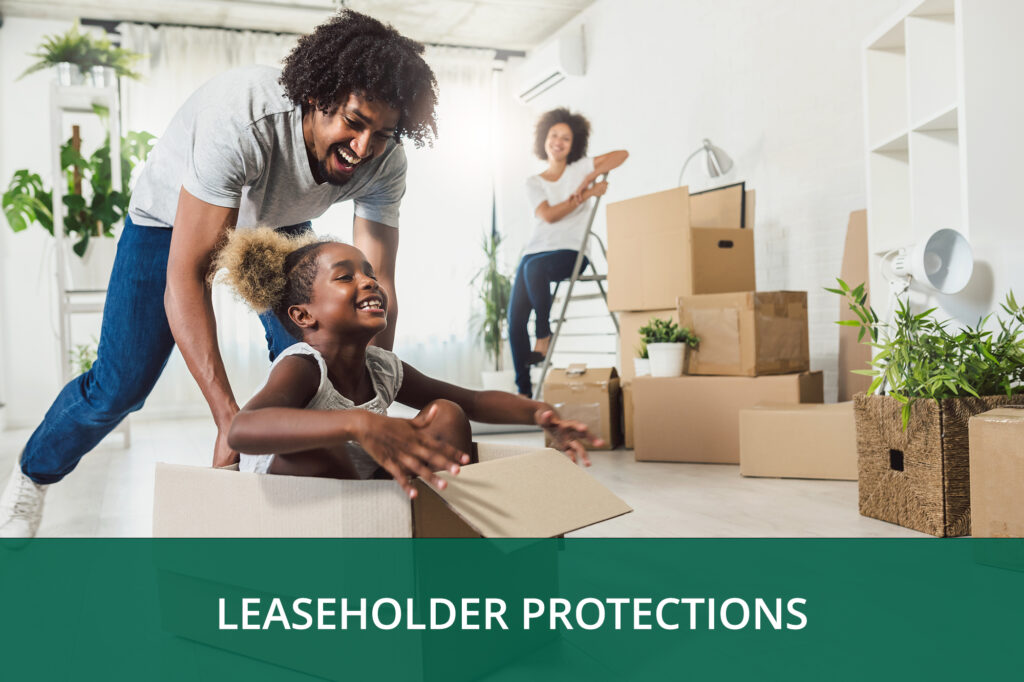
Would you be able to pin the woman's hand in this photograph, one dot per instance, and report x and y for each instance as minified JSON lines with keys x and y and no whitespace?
{"x":597,"y":190}
{"x":406,"y":449}
{"x":571,"y":437}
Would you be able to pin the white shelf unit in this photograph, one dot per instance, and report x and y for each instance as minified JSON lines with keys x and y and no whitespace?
{"x":943,"y":143}
{"x":78,"y":99}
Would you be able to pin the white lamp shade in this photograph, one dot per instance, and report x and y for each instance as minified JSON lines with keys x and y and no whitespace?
{"x":718,"y":161}
{"x":943,"y":262}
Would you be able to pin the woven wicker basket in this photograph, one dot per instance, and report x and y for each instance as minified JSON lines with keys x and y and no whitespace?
{"x":918,"y":478}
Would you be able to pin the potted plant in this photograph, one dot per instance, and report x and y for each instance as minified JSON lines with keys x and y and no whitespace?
{"x":90,"y":215}
{"x":67,"y":52}
{"x":642,"y":361}
{"x":494,"y":290}
{"x":667,"y":344}
{"x":928,"y":381}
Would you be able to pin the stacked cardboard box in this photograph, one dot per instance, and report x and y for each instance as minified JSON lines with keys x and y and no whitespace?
{"x":690,"y":258}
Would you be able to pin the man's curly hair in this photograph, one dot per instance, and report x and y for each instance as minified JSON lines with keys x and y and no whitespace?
{"x":579,"y":126}
{"x":354,"y":53}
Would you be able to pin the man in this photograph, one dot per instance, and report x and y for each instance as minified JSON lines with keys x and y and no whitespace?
{"x":254,"y":146}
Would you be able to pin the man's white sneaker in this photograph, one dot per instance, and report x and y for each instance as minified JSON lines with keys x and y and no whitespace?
{"x":21,"y":506}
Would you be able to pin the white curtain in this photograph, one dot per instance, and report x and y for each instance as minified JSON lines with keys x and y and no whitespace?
{"x":445,"y":213}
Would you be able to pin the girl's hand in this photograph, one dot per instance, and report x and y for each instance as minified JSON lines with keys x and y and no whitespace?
{"x":406,"y":449}
{"x":571,"y":437}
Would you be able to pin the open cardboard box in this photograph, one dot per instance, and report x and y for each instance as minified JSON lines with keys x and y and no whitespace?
{"x":512,"y":492}
{"x":656,"y":252}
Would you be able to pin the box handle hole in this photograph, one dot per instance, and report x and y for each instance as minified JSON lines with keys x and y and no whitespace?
{"x":896,"y":460}
{"x":725,"y":243}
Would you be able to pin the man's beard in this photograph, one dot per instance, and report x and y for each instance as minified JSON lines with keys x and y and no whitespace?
{"x":328,"y":177}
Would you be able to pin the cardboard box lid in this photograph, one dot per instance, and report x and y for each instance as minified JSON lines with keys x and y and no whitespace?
{"x":537,"y":495}
{"x":581,"y":375}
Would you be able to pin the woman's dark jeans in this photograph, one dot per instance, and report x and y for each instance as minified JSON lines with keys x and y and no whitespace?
{"x":532,"y":291}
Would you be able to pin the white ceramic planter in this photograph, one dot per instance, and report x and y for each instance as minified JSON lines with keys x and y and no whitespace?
{"x":103,"y":76}
{"x":68,"y":74}
{"x":666,"y":359}
{"x":641,"y":367}
{"x":504,"y":380}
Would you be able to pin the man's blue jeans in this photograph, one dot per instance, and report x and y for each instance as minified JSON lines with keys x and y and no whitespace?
{"x":135,"y":342}
{"x":532,"y":291}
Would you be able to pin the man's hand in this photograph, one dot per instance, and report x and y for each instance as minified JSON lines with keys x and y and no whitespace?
{"x":571,"y":437}
{"x":406,"y":449}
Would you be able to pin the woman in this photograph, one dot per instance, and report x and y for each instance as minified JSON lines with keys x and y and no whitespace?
{"x":559,"y":199}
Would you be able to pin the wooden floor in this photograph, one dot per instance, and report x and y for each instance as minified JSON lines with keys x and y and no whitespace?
{"x":110,"y":494}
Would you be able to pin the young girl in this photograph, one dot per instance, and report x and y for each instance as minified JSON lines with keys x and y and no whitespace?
{"x":322,"y":410}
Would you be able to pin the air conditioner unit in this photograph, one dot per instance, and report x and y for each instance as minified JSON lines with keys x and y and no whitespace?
{"x":552,"y":63}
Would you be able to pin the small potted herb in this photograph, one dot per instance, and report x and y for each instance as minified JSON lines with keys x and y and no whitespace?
{"x":667,"y":344}
{"x":105,"y":62}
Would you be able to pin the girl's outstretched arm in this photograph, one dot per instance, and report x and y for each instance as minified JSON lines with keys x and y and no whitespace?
{"x":498,"y":407}
{"x":275,"y":422}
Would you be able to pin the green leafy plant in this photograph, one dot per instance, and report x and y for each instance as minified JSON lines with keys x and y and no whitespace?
{"x":27,"y":201}
{"x":918,"y":357}
{"x":642,"y":352}
{"x":495,"y":288}
{"x":83,"y":50}
{"x":101,"y":52}
{"x":667,"y":331}
{"x":82,"y":356}
{"x":73,"y":46}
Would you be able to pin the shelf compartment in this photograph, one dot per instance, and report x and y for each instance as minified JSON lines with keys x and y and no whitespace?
{"x":886,"y":74}
{"x":889,"y":192}
{"x":897,"y":143}
{"x":931,"y":63}
{"x":935,"y":188}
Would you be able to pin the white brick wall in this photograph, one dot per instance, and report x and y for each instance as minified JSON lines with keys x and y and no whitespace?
{"x":776,"y":84}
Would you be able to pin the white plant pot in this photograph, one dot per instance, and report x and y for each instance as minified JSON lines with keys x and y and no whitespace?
{"x":503,"y":380}
{"x":103,"y":76}
{"x":68,"y":73}
{"x":666,"y":359}
{"x":641,"y":367}
{"x":91,"y":271}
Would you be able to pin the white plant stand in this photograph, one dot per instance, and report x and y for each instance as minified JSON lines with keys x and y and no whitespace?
{"x":79,"y":99}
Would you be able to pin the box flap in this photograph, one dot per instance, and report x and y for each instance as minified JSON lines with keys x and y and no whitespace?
{"x":191,"y":501}
{"x":719,"y":207}
{"x":537,"y":495}
{"x":581,"y":375}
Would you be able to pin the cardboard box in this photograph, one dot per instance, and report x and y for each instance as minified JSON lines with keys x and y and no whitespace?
{"x":696,"y":418}
{"x":997,"y":473}
{"x":627,"y":416}
{"x":799,"y":441}
{"x":629,"y":336}
{"x":513,"y":492}
{"x":748,"y":333}
{"x":720,"y":207}
{"x":590,"y":395}
{"x":852,"y":353}
{"x":530,"y":493}
{"x":655,"y":253}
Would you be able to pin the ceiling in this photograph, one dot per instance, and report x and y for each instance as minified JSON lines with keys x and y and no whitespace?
{"x":501,"y":24}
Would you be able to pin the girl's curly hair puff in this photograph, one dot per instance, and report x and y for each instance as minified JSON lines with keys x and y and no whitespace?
{"x":356,"y":53}
{"x":579,"y":126}
{"x":271,"y":271}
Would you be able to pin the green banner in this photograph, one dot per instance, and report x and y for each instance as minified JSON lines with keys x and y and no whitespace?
{"x":511,"y":610}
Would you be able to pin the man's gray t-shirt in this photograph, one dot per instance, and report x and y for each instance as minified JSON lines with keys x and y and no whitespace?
{"x":237,"y":142}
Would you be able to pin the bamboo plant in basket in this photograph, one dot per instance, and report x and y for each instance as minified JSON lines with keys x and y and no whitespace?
{"x":912,"y":441}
